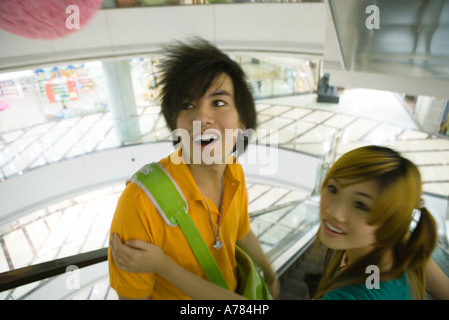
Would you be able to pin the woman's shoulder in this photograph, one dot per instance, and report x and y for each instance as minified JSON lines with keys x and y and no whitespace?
{"x":396,"y":289}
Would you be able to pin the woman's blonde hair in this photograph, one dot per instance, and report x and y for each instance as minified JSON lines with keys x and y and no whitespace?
{"x":400,"y":184}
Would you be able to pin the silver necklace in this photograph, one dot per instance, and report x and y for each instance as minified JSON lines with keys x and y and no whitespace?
{"x":217,"y":244}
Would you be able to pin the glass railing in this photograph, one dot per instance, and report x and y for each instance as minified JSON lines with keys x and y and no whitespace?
{"x":284,"y":231}
{"x":300,"y":129}
{"x":438,"y":206}
{"x":279,"y":229}
{"x":47,"y":120}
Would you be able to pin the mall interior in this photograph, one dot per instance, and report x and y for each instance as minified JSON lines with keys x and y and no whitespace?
{"x":79,"y":114}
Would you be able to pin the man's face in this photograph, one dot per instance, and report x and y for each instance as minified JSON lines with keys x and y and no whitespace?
{"x":212,"y":123}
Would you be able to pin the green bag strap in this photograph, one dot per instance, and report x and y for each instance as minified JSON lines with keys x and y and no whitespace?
{"x":169,"y":201}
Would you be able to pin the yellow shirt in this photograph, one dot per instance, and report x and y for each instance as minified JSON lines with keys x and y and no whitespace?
{"x":136,"y":218}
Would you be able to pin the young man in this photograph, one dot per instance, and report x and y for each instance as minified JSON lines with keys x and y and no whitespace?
{"x":206,"y":102}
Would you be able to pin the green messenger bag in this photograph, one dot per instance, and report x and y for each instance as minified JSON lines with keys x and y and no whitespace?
{"x":169,"y":201}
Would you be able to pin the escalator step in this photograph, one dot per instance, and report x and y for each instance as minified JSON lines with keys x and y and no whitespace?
{"x":309,"y":267}
{"x":296,"y":274}
{"x":312,"y":280}
{"x":288,"y":296}
{"x":295,"y":288}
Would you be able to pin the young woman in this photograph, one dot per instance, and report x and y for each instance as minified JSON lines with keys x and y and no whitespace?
{"x":367,"y":203}
{"x":368,"y":200}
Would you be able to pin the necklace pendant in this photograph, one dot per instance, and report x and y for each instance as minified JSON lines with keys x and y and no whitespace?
{"x":217,"y":244}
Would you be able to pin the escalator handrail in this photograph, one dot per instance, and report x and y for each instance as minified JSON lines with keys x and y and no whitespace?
{"x":260,"y":212}
{"x":22,"y":276}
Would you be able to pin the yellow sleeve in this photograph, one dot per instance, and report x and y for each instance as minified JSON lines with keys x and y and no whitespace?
{"x":244,"y":225}
{"x":131,"y":221}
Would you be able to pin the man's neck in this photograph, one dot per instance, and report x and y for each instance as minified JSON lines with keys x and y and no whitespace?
{"x":209,"y":180}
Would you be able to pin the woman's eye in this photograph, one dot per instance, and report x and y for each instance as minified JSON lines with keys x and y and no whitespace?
{"x":361,"y":206}
{"x":332,"y":189}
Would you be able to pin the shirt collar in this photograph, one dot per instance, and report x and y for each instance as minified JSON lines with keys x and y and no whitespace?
{"x":181,"y":173}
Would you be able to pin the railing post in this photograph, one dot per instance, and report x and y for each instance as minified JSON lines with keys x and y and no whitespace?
{"x":326,"y":161}
{"x":445,"y":239}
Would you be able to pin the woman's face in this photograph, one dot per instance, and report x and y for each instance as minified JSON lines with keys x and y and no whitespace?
{"x":345,"y":212}
{"x":210,"y":123}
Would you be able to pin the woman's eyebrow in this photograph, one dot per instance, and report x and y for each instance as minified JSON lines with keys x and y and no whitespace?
{"x":366,"y":195}
{"x":363,"y":194}
{"x":335,"y":179}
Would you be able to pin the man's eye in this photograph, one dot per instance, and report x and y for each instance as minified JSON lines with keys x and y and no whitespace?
{"x":219,"y":103}
{"x":187,"y":106}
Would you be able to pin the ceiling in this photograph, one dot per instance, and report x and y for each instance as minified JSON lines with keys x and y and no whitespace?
{"x":412,"y":38}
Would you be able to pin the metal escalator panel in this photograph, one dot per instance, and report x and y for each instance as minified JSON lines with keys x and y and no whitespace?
{"x":398,"y":37}
{"x":286,"y":231}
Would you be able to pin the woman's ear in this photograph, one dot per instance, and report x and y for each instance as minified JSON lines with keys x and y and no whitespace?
{"x":242,"y":128}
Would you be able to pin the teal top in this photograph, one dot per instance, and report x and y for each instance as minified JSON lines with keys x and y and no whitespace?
{"x":396,"y":289}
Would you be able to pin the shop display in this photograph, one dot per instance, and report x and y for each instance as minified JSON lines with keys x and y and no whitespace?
{"x":144,"y":76}
{"x":62,"y":85}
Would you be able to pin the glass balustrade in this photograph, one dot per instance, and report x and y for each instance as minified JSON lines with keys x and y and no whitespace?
{"x":62,"y":112}
{"x":284,"y":230}
{"x":278,"y":228}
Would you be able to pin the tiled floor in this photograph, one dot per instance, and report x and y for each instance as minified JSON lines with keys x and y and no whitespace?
{"x":301,"y":124}
{"x":81,"y":224}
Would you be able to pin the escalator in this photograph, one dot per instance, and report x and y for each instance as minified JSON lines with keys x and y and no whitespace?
{"x":300,"y":281}
{"x":293,"y":223}
{"x":294,"y":253}
{"x":297,"y":257}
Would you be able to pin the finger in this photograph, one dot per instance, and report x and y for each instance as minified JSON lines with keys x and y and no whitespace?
{"x":119,"y":253}
{"x":114,"y":238}
{"x":119,"y":261}
{"x":137,"y":244}
{"x":122,"y":251}
{"x":114,"y":249}
{"x":116,"y":259}
{"x":116,"y":243}
{"x":129,"y":255}
{"x":119,"y":246}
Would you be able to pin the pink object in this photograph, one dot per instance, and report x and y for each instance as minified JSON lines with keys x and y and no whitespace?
{"x":4,"y":105}
{"x":46,"y":19}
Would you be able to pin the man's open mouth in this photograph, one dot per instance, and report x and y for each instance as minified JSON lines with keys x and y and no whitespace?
{"x":206,"y":139}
